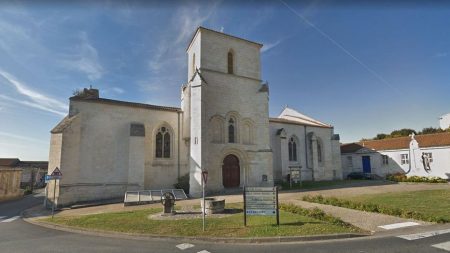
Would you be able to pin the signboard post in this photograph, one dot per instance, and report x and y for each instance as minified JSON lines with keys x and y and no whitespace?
{"x":204,"y":180}
{"x":294,"y":176}
{"x":261,"y":201}
{"x":56,"y":175}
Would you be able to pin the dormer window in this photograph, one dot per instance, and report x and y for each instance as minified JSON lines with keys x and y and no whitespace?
{"x":230,"y":62}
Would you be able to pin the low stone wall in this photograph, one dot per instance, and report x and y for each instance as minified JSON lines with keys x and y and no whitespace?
{"x":10,"y":184}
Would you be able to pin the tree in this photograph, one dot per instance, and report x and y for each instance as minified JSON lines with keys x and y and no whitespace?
{"x":431,"y":130}
{"x":381,"y":136}
{"x":402,"y":132}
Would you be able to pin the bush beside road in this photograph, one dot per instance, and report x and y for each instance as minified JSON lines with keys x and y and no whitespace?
{"x":430,"y":205}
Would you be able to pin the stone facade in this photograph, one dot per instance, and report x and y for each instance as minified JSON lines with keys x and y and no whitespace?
{"x":105,"y":147}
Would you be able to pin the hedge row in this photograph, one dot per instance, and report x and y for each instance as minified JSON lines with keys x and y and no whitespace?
{"x":399,"y":177}
{"x":315,"y":213}
{"x":374,"y":208}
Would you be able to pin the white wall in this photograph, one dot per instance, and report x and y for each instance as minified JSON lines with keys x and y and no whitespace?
{"x":95,"y":153}
{"x":440,"y":167}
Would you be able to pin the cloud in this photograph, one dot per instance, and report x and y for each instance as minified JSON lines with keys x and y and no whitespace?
{"x":38,"y":100}
{"x":117,"y":90}
{"x":221,"y":29}
{"x":170,"y":49}
{"x":20,"y":137}
{"x":441,"y":54}
{"x":85,"y":59}
{"x":268,"y":46}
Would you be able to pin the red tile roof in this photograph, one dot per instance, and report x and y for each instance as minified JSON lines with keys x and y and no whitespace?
{"x":9,"y":161}
{"x":426,"y":140}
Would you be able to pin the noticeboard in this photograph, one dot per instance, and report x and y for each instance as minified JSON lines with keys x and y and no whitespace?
{"x":261,"y":201}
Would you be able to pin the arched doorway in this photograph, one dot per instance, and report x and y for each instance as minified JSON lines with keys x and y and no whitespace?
{"x":231,"y":174}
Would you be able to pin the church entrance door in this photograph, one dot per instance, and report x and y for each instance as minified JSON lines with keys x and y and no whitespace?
{"x":231,"y":172}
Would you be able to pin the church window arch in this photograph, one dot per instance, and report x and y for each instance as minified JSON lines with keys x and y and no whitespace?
{"x":246,"y":132}
{"x":231,"y":130}
{"x":230,"y":60}
{"x":163,"y":143}
{"x":216,"y":129}
{"x":292,"y":147}
{"x":319,"y":150}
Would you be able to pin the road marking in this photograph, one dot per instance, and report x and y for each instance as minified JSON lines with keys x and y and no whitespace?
{"x":424,"y":235}
{"x":204,"y":251}
{"x":184,"y":246}
{"x":11,"y":219}
{"x":445,"y":246}
{"x":399,"y":225}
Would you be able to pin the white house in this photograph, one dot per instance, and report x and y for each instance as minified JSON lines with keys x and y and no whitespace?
{"x":403,"y":154}
{"x":105,"y":147}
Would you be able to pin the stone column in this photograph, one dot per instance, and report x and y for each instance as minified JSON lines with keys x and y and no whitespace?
{"x":136,"y":157}
{"x":315,"y":158}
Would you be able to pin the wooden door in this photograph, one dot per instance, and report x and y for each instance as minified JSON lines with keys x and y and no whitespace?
{"x":231,"y":174}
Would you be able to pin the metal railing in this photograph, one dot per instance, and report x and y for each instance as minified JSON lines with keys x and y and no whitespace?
{"x":151,"y":196}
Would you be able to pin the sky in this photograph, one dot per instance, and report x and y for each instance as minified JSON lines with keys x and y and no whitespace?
{"x":364,"y":68}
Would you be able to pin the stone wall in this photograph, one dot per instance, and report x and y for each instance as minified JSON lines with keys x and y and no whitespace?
{"x":10,"y":184}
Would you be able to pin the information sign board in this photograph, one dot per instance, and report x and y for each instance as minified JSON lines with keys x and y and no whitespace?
{"x":261,"y":201}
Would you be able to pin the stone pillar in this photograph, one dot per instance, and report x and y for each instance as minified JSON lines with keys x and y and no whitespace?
{"x":284,"y":154}
{"x":315,"y":158}
{"x":136,"y":157}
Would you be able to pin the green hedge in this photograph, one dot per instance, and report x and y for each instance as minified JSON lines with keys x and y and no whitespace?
{"x":374,"y":208}
{"x":400,"y":177}
{"x":315,"y":213}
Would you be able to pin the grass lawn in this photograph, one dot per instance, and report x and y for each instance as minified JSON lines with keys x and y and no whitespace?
{"x":428,"y":205}
{"x":318,"y":184}
{"x":291,"y":224}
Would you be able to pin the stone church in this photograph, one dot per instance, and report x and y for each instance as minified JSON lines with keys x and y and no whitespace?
{"x":105,"y":147}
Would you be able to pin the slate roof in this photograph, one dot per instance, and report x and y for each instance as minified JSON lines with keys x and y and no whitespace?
{"x":291,"y":116}
{"x":425,"y":140}
{"x":15,"y":162}
{"x":125,"y":103}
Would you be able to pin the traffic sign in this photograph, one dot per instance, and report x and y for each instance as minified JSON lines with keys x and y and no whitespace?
{"x":205,"y":176}
{"x":56,"y":172}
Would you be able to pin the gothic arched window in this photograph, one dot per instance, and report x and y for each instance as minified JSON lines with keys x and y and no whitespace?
{"x":319,"y":151}
{"x":292,"y":147}
{"x":163,"y":143}
{"x":230,"y":62}
{"x":231,"y":131}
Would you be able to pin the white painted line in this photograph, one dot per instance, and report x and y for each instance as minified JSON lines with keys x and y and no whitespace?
{"x":184,"y":246}
{"x":11,"y":219}
{"x":399,"y":225}
{"x":412,"y":237}
{"x":204,"y":251}
{"x":445,"y":246}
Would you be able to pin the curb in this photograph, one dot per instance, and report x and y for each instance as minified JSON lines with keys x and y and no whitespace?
{"x":135,"y":236}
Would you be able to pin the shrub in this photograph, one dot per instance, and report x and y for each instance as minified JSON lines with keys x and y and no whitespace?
{"x":410,"y":214}
{"x":400,"y":177}
{"x":314,"y":213}
{"x":28,"y":190}
{"x":183,"y":183}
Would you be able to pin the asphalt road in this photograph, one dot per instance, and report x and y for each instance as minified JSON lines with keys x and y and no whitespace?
{"x":19,"y":236}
